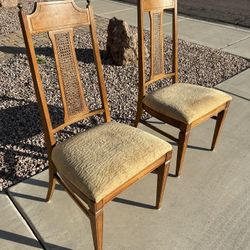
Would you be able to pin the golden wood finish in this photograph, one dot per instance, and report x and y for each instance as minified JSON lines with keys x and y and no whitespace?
{"x":158,"y":4}
{"x":161,"y":183}
{"x":59,"y":19}
{"x":182,"y":147}
{"x":219,"y":123}
{"x":49,"y":16}
{"x":155,"y":9}
{"x":96,"y":221}
{"x":52,"y":181}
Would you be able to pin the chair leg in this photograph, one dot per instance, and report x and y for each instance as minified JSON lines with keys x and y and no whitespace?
{"x":182,"y":147}
{"x":219,"y":124}
{"x":52,"y":183}
{"x":96,"y":221}
{"x":138,"y":114}
{"x":161,"y":183}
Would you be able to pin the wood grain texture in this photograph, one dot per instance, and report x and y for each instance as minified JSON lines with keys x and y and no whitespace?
{"x":154,"y":7}
{"x":161,"y":183}
{"x":220,"y":119}
{"x":59,"y":19}
{"x":48,"y":16}
{"x":158,"y":4}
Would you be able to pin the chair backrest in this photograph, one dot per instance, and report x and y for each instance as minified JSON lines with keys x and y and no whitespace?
{"x":155,"y":9}
{"x":59,"y":19}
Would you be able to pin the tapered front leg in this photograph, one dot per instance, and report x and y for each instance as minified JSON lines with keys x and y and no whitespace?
{"x":219,"y":124}
{"x":52,"y":182}
{"x":161,"y":183}
{"x":96,"y":221}
{"x":182,"y":147}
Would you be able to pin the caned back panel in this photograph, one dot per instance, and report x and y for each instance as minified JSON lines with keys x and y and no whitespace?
{"x":156,"y":43}
{"x":68,"y":72}
{"x":155,"y":9}
{"x":59,"y":19}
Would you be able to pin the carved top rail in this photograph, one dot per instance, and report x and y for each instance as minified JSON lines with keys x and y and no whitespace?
{"x":150,"y":5}
{"x":50,"y":16}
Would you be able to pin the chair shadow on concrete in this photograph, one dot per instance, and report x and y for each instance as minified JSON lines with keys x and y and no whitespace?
{"x":24,"y":240}
{"x":133,"y":203}
{"x":191,"y":146}
{"x":35,"y":182}
{"x":169,"y":141}
{"x":26,"y":196}
{"x":175,"y":144}
{"x":41,"y":183}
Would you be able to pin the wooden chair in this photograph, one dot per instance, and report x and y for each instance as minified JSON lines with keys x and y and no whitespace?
{"x":183,"y":106}
{"x":97,"y":165}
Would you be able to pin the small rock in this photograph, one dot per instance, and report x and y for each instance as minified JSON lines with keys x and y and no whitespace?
{"x":121,"y":43}
{"x":8,"y":3}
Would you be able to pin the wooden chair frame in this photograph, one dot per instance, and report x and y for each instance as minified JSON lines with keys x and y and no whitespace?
{"x":157,"y":7}
{"x":42,"y":20}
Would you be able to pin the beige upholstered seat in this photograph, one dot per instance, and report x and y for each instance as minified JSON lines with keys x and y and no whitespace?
{"x":105,"y":157}
{"x":183,"y":106}
{"x":185,"y":102}
{"x":97,"y":165}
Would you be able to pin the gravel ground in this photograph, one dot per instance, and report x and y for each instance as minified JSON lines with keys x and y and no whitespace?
{"x":22,"y":151}
{"x":9,"y":20}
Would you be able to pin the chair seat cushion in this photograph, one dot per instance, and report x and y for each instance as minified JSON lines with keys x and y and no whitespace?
{"x":104,"y":157}
{"x":185,"y":102}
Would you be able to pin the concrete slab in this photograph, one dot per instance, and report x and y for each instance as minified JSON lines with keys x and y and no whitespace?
{"x":14,"y":231}
{"x":130,"y":16}
{"x":228,"y":12}
{"x":209,"y":34}
{"x":240,"y":48}
{"x":106,"y":6}
{"x":208,"y":208}
{"x":238,"y":86}
{"x":61,"y":222}
{"x":121,"y":10}
{"x":232,"y":39}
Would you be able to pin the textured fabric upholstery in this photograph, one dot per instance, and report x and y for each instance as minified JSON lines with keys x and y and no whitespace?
{"x":185,"y":102}
{"x":103,"y":158}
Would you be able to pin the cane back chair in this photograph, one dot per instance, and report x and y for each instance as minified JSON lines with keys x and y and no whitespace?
{"x":183,"y":106}
{"x":97,"y":165}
